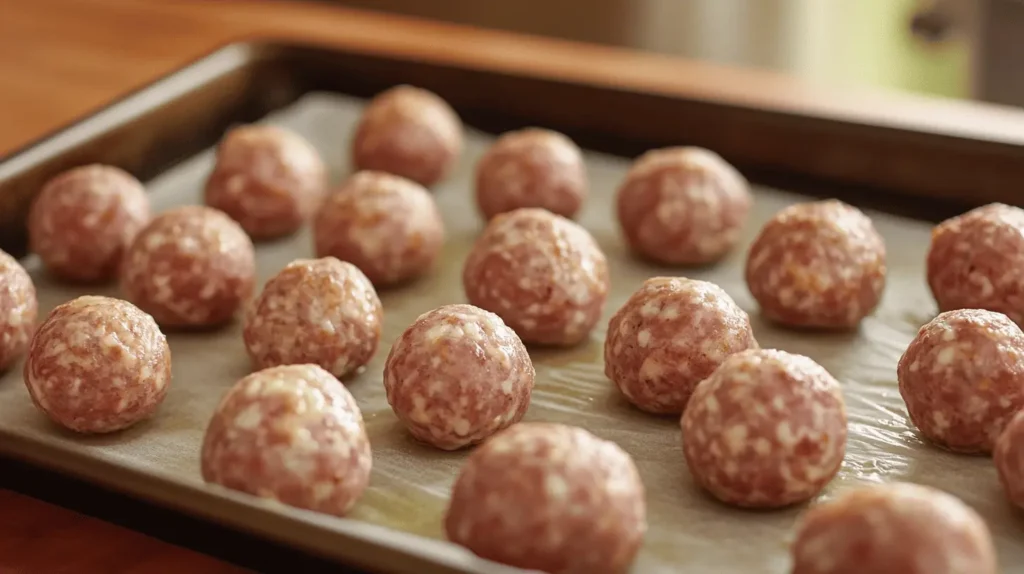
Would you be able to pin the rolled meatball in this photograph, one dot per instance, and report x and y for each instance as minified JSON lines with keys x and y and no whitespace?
{"x":191,"y":267}
{"x":457,"y":375}
{"x":98,"y":365}
{"x":817,"y":265}
{"x":670,"y":335}
{"x":962,"y":378}
{"x":83,"y":221}
{"x":532,"y":167}
{"x":268,"y":179}
{"x":318,"y":311}
{"x":893,"y":529}
{"x":976,"y":261}
{"x":387,"y":226}
{"x":766,"y":430}
{"x":1009,"y":459}
{"x":19,"y":310}
{"x":682,"y":206}
{"x":543,"y":274}
{"x":293,"y":434}
{"x":409,"y":132}
{"x":549,"y":497}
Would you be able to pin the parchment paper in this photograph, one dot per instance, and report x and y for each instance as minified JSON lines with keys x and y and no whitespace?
{"x":688,"y":531}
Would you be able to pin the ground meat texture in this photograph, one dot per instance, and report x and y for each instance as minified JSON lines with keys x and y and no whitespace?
{"x":268,"y":179}
{"x":896,"y":528}
{"x":670,"y":335}
{"x":817,"y":265}
{"x":19,"y":309}
{"x":84,"y":219}
{"x":976,"y":261}
{"x":98,"y":365}
{"x":457,"y":375}
{"x":543,"y":274}
{"x":549,"y":497}
{"x":682,"y":206}
{"x":319,"y":311}
{"x":191,"y":267}
{"x":767,"y":429}
{"x":293,"y":434}
{"x":962,"y":378}
{"x":1009,"y":459}
{"x":531,"y":167}
{"x":409,"y":132}
{"x":388,"y":226}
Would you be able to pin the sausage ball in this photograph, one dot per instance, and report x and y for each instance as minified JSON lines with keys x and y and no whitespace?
{"x":766,"y":430}
{"x":268,"y":179}
{"x":682,"y":206}
{"x":1009,"y":459}
{"x":532,"y":167}
{"x":387,"y":226}
{"x":962,"y":378}
{"x":976,"y":261}
{"x":98,"y":365}
{"x":319,"y":311}
{"x":409,"y":132}
{"x":83,"y":221}
{"x":293,"y":434}
{"x":549,"y":497}
{"x":895,"y":528}
{"x":817,"y":265}
{"x":191,"y":267}
{"x":19,"y":309}
{"x":457,"y":375}
{"x":670,"y":335}
{"x":543,"y":274}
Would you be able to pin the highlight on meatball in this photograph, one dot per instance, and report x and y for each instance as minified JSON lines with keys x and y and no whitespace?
{"x":19,"y":309}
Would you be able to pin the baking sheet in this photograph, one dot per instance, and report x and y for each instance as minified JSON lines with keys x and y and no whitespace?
{"x":688,"y":530}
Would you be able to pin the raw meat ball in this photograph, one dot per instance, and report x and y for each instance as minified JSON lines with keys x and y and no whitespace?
{"x":767,"y":429}
{"x":819,"y":265}
{"x":190,"y":267}
{"x":268,"y":179}
{"x":893,"y":529}
{"x":293,"y":434}
{"x":387,"y":226}
{"x":98,"y":365}
{"x":83,"y":221}
{"x":976,"y":261}
{"x":409,"y":132}
{"x":962,"y":378}
{"x":670,"y":335}
{"x":549,"y":497}
{"x":543,"y":274}
{"x":457,"y":375}
{"x":18,"y":310}
{"x":319,"y":311}
{"x":1009,"y":458}
{"x":682,"y":206}
{"x":532,"y":167}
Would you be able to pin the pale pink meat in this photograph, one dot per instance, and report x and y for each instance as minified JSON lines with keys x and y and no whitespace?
{"x":19,"y":310}
{"x":1009,"y":459}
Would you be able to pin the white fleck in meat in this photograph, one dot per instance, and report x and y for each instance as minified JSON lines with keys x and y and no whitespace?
{"x":319,"y":311}
{"x":19,"y":310}
{"x":84,"y":219}
{"x":549,"y":497}
{"x":896,"y":528}
{"x":820,"y":264}
{"x":98,"y":365}
{"x":387,"y":226}
{"x":567,"y":272}
{"x":480,"y":384}
{"x":967,"y":387}
{"x":657,"y":358}
{"x":293,"y":434}
{"x":750,"y":456}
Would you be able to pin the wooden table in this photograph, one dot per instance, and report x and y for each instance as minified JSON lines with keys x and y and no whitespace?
{"x":62,"y":59}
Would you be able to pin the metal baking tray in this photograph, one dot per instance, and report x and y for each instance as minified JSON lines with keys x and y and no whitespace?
{"x":164,"y":134}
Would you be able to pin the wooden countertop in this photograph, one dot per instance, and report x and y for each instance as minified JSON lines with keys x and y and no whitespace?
{"x":62,"y":59}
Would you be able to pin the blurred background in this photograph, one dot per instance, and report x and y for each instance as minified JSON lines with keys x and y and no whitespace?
{"x":955,"y":48}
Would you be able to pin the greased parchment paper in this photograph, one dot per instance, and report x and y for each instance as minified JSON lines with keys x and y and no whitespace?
{"x":688,"y":531}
